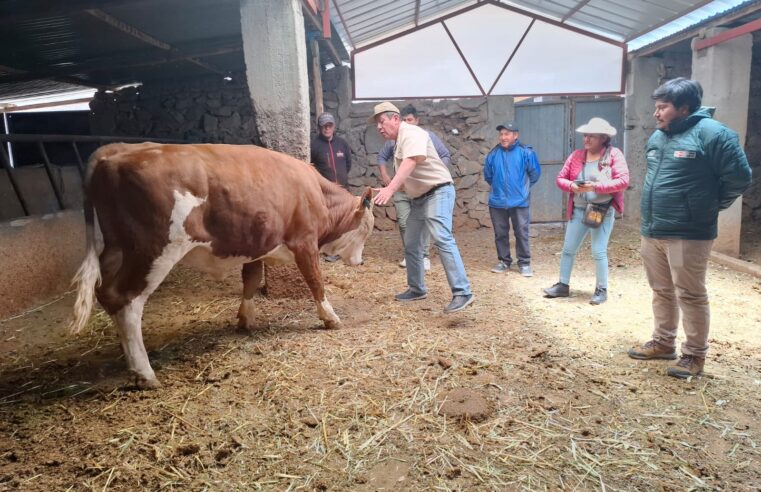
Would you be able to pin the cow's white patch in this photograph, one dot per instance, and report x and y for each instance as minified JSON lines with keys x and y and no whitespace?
{"x":246,"y":312}
{"x":278,"y":255}
{"x":180,"y":243}
{"x":326,"y":312}
{"x":201,"y":258}
{"x":129,"y":324}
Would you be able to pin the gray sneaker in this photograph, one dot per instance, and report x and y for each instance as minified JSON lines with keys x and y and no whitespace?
{"x":526,"y":271}
{"x":501,"y":267}
{"x":408,"y":296}
{"x":459,"y":303}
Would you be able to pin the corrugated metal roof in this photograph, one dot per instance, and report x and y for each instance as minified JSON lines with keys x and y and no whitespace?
{"x":361,"y":22}
{"x":712,"y":12}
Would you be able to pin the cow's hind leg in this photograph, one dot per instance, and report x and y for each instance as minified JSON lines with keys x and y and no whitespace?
{"x":252,"y":274}
{"x":129,"y":322}
{"x":309,"y":266}
{"x":123,"y":294}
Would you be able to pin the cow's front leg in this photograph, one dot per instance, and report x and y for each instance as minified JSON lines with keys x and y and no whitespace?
{"x":129,"y":326}
{"x":252,"y":274}
{"x":309,"y":266}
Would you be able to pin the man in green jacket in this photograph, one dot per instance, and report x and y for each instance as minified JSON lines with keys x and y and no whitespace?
{"x":695,"y":168}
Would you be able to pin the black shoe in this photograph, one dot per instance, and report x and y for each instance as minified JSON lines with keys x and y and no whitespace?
{"x":558,"y":290}
{"x":408,"y":295}
{"x":601,"y":295}
{"x":459,"y":303}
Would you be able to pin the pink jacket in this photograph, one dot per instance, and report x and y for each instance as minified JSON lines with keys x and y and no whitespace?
{"x":615,"y":177}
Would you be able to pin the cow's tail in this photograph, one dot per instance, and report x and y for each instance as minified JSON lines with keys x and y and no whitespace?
{"x":88,"y":275}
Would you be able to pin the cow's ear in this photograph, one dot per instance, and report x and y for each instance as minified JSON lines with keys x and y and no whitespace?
{"x":367,"y":198}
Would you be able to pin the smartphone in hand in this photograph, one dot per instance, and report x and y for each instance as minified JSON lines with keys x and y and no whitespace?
{"x":580,"y":182}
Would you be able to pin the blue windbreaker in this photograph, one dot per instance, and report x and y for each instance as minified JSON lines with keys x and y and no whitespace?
{"x":511,"y":173}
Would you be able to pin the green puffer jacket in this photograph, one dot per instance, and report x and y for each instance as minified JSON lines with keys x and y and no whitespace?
{"x":694,"y":170}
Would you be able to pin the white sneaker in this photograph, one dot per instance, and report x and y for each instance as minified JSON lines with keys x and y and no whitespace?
{"x":403,"y":263}
{"x":427,"y":264}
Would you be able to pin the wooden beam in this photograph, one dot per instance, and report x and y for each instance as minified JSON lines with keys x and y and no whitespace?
{"x":122,"y":26}
{"x":317,"y":25}
{"x":326,"y":20}
{"x":319,"y":106}
{"x":727,"y":35}
{"x":136,"y":33}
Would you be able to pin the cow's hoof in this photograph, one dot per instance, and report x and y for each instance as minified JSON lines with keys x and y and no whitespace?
{"x":144,"y":383}
{"x":333,"y":325}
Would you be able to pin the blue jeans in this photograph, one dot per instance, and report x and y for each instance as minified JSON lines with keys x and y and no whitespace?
{"x":402,"y":204}
{"x":575,"y":233}
{"x":434,"y":213}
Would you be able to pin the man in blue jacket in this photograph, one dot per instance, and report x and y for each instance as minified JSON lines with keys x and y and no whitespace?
{"x":511,"y":169}
{"x":695,"y":168}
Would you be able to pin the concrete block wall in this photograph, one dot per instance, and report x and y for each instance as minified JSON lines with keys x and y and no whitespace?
{"x":208,"y":109}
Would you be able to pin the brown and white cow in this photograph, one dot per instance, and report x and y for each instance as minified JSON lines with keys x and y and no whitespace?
{"x":212,"y":207}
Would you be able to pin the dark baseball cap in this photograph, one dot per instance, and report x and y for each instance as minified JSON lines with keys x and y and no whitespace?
{"x":511,"y":127}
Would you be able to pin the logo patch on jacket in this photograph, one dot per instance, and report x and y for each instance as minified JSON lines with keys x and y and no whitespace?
{"x":341,"y":154}
{"x":685,"y":154}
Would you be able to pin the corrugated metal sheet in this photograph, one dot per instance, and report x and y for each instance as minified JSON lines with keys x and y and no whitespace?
{"x":361,"y":22}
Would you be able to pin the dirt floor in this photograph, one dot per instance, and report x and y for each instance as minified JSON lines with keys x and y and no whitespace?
{"x":516,"y":392}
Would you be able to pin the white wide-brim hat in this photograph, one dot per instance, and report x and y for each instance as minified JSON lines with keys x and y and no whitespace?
{"x":599,"y":126}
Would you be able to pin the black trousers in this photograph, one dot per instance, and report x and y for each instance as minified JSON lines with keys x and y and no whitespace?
{"x":501,"y":218}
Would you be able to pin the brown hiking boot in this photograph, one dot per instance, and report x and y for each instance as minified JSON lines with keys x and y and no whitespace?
{"x":688,"y":366}
{"x":652,"y":350}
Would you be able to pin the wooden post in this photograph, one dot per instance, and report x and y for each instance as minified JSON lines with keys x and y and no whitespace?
{"x":319,"y":107}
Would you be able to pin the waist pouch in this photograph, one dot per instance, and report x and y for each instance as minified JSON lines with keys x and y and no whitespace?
{"x":594,"y":214}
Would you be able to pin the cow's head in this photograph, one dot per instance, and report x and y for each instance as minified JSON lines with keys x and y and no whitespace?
{"x":351,"y":244}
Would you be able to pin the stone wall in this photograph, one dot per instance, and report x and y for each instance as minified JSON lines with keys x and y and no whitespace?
{"x":209,"y":109}
{"x":466,"y":126}
{"x":752,"y":197}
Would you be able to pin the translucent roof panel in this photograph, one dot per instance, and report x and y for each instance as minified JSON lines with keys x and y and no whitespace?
{"x":362,"y":22}
{"x":488,"y":49}
{"x":422,"y":64}
{"x":570,"y":63}
{"x":473,"y":32}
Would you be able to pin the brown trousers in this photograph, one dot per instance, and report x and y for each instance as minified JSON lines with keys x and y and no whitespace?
{"x":676,"y":271}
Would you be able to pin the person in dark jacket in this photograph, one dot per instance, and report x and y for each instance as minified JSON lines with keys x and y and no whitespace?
{"x":695,"y":168}
{"x":331,"y":155}
{"x":511,"y":169}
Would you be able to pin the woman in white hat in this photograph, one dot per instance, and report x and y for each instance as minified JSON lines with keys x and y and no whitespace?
{"x":595,"y":177}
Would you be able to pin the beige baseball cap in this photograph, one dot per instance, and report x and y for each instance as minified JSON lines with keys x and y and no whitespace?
{"x":381,"y":108}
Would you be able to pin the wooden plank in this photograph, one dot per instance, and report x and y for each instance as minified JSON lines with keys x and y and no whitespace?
{"x":317,"y":78}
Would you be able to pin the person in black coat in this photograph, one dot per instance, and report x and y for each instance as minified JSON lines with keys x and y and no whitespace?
{"x":330,"y":154}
